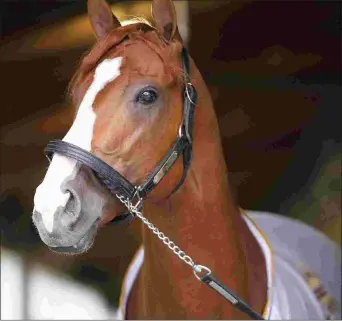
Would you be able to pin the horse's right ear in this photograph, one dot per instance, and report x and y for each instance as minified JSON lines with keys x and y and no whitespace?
{"x":101,"y":17}
{"x":165,"y":18}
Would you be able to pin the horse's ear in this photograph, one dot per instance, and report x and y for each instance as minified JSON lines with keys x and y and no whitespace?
{"x":165,"y":18}
{"x":101,"y":17}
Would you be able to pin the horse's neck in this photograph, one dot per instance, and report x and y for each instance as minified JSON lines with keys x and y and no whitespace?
{"x":203,"y":221}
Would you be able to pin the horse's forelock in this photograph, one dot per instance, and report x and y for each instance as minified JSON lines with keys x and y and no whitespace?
{"x":93,"y":57}
{"x":98,"y":51}
{"x":131,"y":28}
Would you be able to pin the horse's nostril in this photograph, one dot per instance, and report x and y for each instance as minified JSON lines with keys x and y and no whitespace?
{"x":71,"y":211}
{"x":71,"y":205}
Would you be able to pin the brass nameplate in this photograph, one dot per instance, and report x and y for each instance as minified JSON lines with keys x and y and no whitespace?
{"x":165,"y":168}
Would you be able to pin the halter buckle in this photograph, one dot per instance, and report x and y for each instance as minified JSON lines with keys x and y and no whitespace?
{"x":200,"y":269}
{"x":187,"y":87}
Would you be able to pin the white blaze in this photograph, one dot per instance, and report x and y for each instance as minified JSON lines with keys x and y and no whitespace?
{"x":49,"y":195}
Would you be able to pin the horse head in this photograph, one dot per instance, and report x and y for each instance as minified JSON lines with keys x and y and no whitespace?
{"x":128,"y":94}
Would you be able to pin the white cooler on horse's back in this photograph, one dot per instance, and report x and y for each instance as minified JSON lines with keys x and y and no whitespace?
{"x":307,"y":269}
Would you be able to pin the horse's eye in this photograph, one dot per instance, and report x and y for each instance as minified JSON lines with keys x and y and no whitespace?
{"x":147,"y":96}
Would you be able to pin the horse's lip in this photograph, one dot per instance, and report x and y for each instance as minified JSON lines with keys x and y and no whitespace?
{"x":75,"y":248}
{"x":67,"y":249}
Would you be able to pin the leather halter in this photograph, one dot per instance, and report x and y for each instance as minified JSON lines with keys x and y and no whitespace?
{"x":114,"y":181}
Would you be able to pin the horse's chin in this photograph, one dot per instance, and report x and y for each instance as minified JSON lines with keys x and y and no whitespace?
{"x":74,"y":239}
{"x":83,"y":245}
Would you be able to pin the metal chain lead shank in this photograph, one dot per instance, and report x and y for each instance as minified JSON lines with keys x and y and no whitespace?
{"x":170,"y":244}
{"x":207,"y":278}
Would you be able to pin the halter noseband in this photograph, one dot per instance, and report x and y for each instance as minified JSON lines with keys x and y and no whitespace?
{"x":114,"y":181}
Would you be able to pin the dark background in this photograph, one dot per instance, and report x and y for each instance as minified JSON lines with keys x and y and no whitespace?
{"x":274,"y":70}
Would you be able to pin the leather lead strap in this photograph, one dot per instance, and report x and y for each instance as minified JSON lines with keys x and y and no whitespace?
{"x":220,"y":288}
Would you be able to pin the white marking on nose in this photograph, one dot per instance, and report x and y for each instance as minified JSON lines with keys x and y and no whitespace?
{"x":49,"y":195}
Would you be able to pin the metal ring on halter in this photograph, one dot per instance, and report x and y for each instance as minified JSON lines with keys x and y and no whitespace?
{"x":49,"y":159}
{"x":180,"y":130}
{"x":198,"y":268}
{"x":187,"y":91}
{"x":136,"y":194}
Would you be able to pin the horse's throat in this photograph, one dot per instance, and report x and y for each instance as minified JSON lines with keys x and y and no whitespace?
{"x":203,"y":221}
{"x":212,"y":232}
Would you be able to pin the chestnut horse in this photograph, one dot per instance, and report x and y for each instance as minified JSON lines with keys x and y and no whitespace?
{"x":135,"y":93}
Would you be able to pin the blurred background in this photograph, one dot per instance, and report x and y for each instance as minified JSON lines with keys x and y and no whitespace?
{"x":274,"y":71}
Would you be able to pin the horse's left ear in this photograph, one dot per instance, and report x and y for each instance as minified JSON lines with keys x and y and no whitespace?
{"x":165,"y":18}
